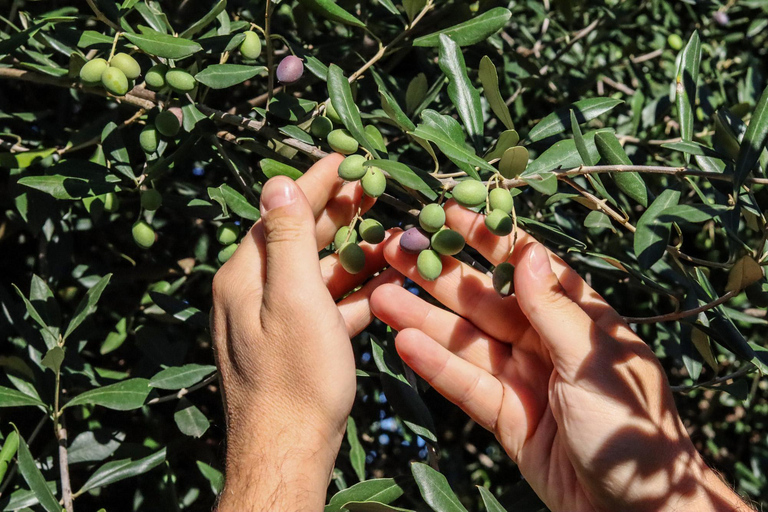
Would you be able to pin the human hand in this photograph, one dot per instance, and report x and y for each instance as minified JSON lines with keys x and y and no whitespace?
{"x":576,"y":399}
{"x":282,"y":343}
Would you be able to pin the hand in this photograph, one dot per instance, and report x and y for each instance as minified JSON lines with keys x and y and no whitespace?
{"x":283,"y":344}
{"x":576,"y":399}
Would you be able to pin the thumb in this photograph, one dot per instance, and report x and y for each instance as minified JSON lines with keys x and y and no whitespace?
{"x":291,"y":245}
{"x":564,"y":327}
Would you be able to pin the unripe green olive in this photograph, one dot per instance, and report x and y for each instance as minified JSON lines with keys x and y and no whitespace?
{"x":504,"y":279}
{"x":155,"y":77}
{"x":352,"y":258}
{"x":148,"y":139}
{"x":227,"y":233}
{"x":757,"y":293}
{"x":501,"y":199}
{"x":341,"y":239}
{"x":114,"y":81}
{"x":143,"y":234}
{"x":499,"y":223}
{"x":127,"y":65}
{"x":374,"y":182}
{"x":372,"y":231}
{"x":180,"y":81}
{"x":330,"y":111}
{"x":429,"y":265}
{"x":432,"y":218}
{"x":342,"y":141}
{"x":226,"y":253}
{"x":470,"y":193}
{"x":447,"y":242}
{"x":167,"y":123}
{"x":675,"y":41}
{"x":151,"y":199}
{"x":351,"y":169}
{"x":250,"y":48}
{"x":91,"y":72}
{"x":321,"y":127}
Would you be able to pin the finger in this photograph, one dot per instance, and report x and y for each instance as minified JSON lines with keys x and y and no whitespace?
{"x":321,"y":182}
{"x":564,"y":327}
{"x":476,"y":391}
{"x":290,"y":246}
{"x":356,"y":309}
{"x":400,"y":309}
{"x":339,"y":281}
{"x":465,"y":291}
{"x":496,"y":249}
{"x":340,"y":210}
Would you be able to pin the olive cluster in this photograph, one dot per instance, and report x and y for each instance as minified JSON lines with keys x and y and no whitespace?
{"x":116,"y":75}
{"x":227,"y":235}
{"x":430,"y":240}
{"x":351,"y":255}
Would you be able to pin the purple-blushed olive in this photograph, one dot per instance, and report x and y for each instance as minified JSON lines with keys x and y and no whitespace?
{"x":149,"y":139}
{"x":429,"y":265}
{"x":504,"y":279}
{"x":180,"y":81}
{"x":352,"y":258}
{"x":343,"y":237}
{"x":372,"y":231}
{"x":250,"y":48}
{"x":342,"y":141}
{"x":351,"y":169}
{"x":127,"y":65}
{"x":167,"y":123}
{"x":499,"y":223}
{"x":501,"y":199}
{"x":91,"y":72}
{"x":151,"y":199}
{"x":321,"y":126}
{"x":470,"y":193}
{"x":114,"y":81}
{"x":432,"y":218}
{"x":447,"y":242}
{"x":414,"y":240}
{"x":227,"y":233}
{"x":721,"y":18}
{"x":155,"y":77}
{"x":374,"y":182}
{"x":143,"y":234}
{"x":226,"y":252}
{"x":289,"y":70}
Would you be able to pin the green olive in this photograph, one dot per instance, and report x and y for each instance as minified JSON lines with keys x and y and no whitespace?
{"x":143,"y":234}
{"x":352,"y":258}
{"x":499,"y":223}
{"x":114,"y":81}
{"x":447,"y":242}
{"x":372,"y":231}
{"x":374,"y":182}
{"x":429,"y":265}
{"x":167,"y":123}
{"x":675,"y":41}
{"x":151,"y":199}
{"x":432,"y":218}
{"x":155,"y":77}
{"x":341,"y":239}
{"x":180,"y":81}
{"x":331,"y":113}
{"x":504,"y":279}
{"x":351,"y":169}
{"x":127,"y":65}
{"x":228,"y":233}
{"x":470,"y":193}
{"x":226,"y":252}
{"x":321,"y":127}
{"x":501,"y":199}
{"x":148,"y":139}
{"x":342,"y":142}
{"x":91,"y":72}
{"x":250,"y":48}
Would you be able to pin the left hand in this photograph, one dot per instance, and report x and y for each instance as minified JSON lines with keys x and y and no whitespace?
{"x":283,"y":344}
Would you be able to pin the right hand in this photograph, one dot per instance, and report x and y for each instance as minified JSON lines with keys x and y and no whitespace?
{"x":573,"y":395}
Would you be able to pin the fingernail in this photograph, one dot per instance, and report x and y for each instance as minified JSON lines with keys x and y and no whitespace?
{"x":276,"y":193}
{"x":539,"y":260}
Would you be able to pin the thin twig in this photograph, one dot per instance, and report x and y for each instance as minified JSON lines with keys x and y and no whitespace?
{"x":66,"y":486}
{"x":682,"y":314}
{"x":235,"y":172}
{"x":184,"y":391}
{"x":100,"y":15}
{"x":748,"y":367}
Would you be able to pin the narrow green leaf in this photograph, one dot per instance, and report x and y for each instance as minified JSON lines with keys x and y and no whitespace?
{"x":578,"y":138}
{"x":34,"y":478}
{"x":754,"y":141}
{"x":221,"y":76}
{"x":180,"y":310}
{"x":341,"y":97}
{"x":178,"y":377}
{"x":213,"y":475}
{"x":117,"y":470}
{"x":49,"y":333}
{"x":685,"y":85}
{"x":513,"y":162}
{"x":472,"y":31}
{"x":435,"y":490}
{"x":88,"y":304}
{"x":356,"y":451}
{"x":652,"y":235}
{"x":597,"y":220}
{"x":552,"y":233}
{"x":692,"y":148}
{"x":10,"y":447}
{"x":562,"y":155}
{"x":584,"y":110}
{"x":416,"y":92}
{"x":371,"y":506}
{"x":13,"y":398}
{"x":490,"y":80}
{"x":507,"y":139}
{"x":66,"y":187}
{"x":463,"y":94}
{"x":692,"y":213}
{"x":545,"y":183}
{"x":122,"y":396}
{"x":394,"y":112}
{"x":382,"y":490}
{"x":190,"y":420}
{"x":53,"y":359}
{"x":330,"y":10}
{"x":205,"y":20}
{"x":490,"y":502}
{"x":406,"y":176}
{"x":163,"y":45}
{"x":272,"y":168}
{"x":239,"y":204}
{"x":611,"y":153}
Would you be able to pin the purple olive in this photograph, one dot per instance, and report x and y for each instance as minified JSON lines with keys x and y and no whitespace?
{"x":414,"y":241}
{"x":721,"y":18}
{"x":290,"y":69}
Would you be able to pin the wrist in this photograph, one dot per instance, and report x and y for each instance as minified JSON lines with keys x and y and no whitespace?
{"x":707,"y":492}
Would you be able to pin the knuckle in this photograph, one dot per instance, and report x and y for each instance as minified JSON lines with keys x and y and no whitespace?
{"x":284,"y":229}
